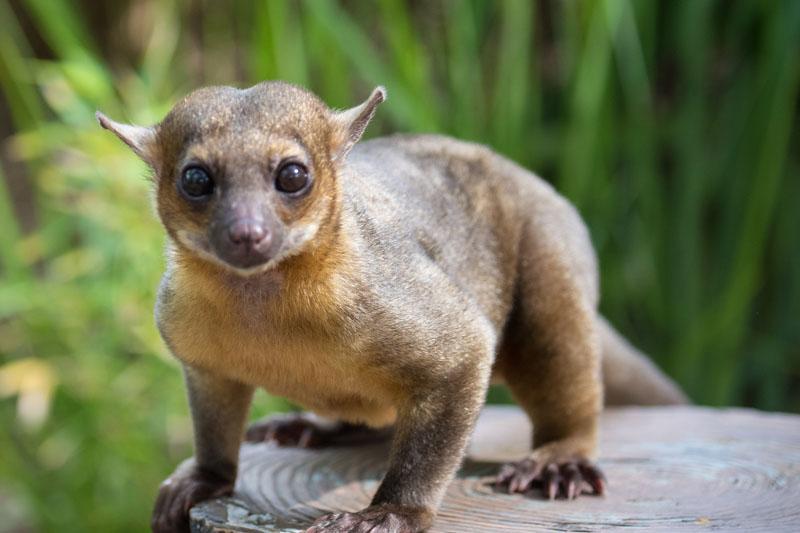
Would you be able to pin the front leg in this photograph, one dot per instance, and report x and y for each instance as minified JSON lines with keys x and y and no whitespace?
{"x":433,"y":429}
{"x":219,"y":411}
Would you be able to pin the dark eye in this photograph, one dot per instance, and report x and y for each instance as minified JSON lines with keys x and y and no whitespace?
{"x":292,"y":177}
{"x":196,"y":183}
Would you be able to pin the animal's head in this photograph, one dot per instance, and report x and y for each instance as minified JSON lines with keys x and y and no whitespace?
{"x":247,"y":177}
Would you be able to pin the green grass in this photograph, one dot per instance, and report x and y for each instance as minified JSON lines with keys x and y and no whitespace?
{"x":672,"y":125}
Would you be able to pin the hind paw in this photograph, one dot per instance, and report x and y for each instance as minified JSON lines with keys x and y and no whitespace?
{"x":556,"y":479}
{"x":304,"y":431}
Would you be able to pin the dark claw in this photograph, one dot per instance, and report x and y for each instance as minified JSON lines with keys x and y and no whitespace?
{"x":557,"y":480}
{"x":519,"y":476}
{"x":505,"y":475}
{"x":572,"y":479}
{"x":552,"y":480}
{"x":594,"y":476}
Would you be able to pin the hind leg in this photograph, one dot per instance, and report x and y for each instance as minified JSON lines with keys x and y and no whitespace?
{"x":305,"y":430}
{"x":551,"y":363}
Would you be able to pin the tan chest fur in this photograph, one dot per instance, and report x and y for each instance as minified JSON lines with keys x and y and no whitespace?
{"x":254,"y":336}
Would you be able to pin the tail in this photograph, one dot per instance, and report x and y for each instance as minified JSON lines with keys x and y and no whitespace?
{"x":630,"y":378}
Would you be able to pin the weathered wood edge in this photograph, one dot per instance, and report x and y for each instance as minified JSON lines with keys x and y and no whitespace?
{"x":224,"y":515}
{"x":236,"y":514}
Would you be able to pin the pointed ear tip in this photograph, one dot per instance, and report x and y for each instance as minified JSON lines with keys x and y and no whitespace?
{"x":102,"y":119}
{"x":379,"y":93}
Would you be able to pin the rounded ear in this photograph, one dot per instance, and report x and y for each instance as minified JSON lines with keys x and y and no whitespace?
{"x":141,"y":139}
{"x":350,"y":124}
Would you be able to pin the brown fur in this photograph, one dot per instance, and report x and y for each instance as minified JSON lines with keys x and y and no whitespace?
{"x":416,"y":269}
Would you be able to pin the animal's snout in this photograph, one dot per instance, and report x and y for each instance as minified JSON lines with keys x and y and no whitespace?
{"x":246,"y":241}
{"x":249,"y":233}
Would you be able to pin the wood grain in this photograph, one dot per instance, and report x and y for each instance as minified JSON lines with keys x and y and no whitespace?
{"x":668,"y":469}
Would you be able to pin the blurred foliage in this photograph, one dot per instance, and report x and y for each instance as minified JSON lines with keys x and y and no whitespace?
{"x":672,"y":125}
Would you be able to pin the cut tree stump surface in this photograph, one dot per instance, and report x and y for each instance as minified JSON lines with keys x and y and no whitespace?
{"x":668,"y":469}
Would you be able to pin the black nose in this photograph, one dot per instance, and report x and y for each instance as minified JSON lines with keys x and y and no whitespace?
{"x":248,"y":232}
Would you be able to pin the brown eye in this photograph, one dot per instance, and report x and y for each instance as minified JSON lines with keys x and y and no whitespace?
{"x":196,"y":183}
{"x":292,"y":178}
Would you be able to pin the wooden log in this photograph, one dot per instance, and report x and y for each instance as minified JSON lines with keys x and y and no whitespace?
{"x":668,"y":469}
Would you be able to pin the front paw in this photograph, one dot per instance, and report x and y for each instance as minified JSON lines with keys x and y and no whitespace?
{"x":565,"y":478}
{"x":188,"y":486}
{"x":384,"y":518}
